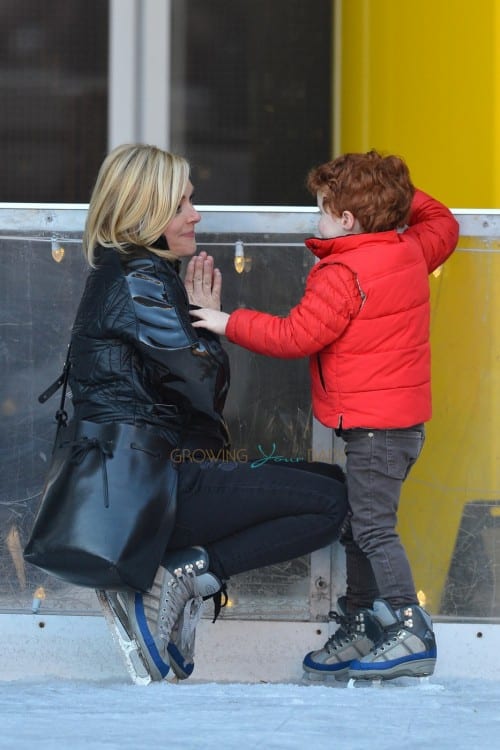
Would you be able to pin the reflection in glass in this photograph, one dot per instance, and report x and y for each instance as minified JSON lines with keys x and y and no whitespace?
{"x":53,"y":88}
{"x":251,"y":96}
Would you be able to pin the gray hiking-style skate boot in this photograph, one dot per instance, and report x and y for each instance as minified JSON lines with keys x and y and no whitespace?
{"x":155,"y":631}
{"x":207,"y":586}
{"x":406,"y":648}
{"x":164,"y":619}
{"x":354,"y":638}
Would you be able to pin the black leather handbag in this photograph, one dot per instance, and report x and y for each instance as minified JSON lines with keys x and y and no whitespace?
{"x":108,"y":504}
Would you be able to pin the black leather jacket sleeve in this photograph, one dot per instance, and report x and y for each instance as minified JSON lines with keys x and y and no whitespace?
{"x":137,"y":357}
{"x":160,"y":327}
{"x":192,"y":364}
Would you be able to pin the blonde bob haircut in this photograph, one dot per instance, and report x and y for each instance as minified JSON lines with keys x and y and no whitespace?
{"x":136,"y":195}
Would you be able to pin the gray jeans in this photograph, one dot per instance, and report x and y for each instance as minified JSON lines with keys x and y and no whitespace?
{"x":378,"y":462}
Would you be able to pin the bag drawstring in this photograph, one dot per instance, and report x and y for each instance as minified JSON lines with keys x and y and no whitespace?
{"x":80,"y":449}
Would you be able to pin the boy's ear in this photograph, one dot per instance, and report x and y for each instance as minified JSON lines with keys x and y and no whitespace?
{"x":348,"y":221}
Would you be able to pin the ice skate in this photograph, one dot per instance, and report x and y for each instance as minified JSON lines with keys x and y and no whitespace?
{"x":114,"y":611}
{"x":190,"y":583}
{"x":156,"y":630}
{"x":352,"y":640}
{"x":142,"y":627}
{"x":406,"y":648}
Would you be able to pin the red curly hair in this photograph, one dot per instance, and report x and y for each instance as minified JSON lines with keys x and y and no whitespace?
{"x":376,"y":189}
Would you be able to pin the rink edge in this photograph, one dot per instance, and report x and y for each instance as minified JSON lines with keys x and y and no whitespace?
{"x":80,"y":647}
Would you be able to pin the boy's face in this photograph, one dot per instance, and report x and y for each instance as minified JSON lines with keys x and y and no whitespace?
{"x":329,"y":225}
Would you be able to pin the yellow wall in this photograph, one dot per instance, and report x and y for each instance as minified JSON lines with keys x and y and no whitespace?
{"x":422,"y":79}
{"x":460,"y":463}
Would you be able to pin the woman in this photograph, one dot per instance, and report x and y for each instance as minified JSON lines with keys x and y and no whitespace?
{"x":136,"y":359}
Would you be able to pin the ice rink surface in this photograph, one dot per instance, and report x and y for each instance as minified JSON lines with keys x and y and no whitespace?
{"x":103,"y":715}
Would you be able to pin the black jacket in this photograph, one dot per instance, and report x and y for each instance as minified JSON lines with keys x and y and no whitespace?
{"x":136,"y":358}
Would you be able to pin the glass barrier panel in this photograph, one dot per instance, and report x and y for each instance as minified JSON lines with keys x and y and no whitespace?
{"x":268,"y":410}
{"x":450,"y":508}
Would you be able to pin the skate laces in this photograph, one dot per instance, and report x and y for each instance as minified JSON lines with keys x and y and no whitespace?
{"x":180,"y":589}
{"x":191,"y":617}
{"x":344,"y":634}
{"x":388,"y":637}
{"x":393,"y":633}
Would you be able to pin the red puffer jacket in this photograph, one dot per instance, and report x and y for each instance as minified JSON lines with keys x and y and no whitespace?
{"x":364,"y":322}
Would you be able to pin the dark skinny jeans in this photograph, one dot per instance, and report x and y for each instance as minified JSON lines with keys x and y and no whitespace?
{"x":378,"y":462}
{"x":248,"y":517}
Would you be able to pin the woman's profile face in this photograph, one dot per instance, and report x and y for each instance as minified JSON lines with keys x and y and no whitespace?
{"x":180,"y":232}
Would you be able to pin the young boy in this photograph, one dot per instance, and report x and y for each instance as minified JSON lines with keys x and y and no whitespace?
{"x":364,"y":323}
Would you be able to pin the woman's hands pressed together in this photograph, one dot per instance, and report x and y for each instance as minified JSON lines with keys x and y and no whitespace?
{"x":203,"y":282}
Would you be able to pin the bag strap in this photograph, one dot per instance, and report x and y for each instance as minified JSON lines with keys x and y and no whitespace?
{"x":62,"y":380}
